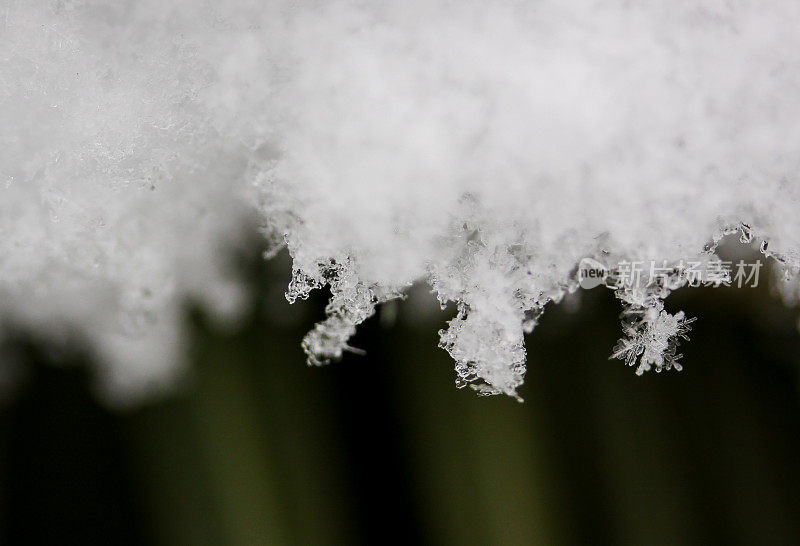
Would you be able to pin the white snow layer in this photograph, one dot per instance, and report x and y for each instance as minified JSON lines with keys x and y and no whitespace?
{"x":482,"y":147}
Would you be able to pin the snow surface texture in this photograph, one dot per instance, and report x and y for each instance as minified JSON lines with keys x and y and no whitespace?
{"x":485,"y":148}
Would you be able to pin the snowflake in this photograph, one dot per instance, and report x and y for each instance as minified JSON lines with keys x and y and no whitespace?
{"x":652,"y":336}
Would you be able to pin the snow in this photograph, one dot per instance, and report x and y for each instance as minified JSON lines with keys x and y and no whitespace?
{"x":482,"y":148}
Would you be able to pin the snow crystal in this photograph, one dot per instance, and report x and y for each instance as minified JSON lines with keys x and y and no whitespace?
{"x":485,"y":148}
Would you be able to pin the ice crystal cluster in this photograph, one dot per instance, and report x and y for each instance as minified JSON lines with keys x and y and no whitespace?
{"x":483,"y":148}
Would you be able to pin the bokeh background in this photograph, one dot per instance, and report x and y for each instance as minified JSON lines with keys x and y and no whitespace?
{"x":257,"y":448}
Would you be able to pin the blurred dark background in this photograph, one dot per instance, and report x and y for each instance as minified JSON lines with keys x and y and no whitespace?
{"x":258,"y":448}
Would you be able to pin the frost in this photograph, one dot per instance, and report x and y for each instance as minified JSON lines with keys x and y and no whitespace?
{"x":482,"y":148}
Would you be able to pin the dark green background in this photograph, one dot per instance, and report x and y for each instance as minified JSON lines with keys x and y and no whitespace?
{"x":257,"y":448}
